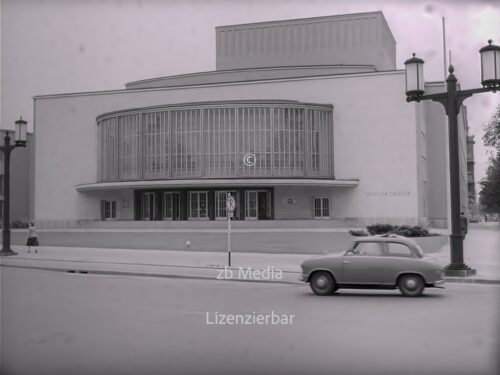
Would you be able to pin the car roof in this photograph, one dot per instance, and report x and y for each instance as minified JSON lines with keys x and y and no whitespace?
{"x":386,"y":238}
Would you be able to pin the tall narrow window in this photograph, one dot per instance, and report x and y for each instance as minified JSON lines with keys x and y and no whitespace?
{"x":108,"y":210}
{"x":148,"y":206}
{"x":321,"y":207}
{"x":171,"y":206}
{"x":198,"y":205}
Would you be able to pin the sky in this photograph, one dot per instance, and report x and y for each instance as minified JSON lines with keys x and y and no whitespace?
{"x":60,"y":46}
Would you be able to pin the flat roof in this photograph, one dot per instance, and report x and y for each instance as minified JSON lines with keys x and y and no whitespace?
{"x":318,"y":18}
{"x":130,"y":91}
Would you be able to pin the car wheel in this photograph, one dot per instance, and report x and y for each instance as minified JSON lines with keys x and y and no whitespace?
{"x":322,"y":283}
{"x":411,"y":285}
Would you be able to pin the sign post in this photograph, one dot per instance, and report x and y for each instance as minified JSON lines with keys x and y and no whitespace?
{"x":230,"y":206}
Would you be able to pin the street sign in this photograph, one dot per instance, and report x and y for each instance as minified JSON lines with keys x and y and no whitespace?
{"x":230,"y":203}
{"x":230,"y":206}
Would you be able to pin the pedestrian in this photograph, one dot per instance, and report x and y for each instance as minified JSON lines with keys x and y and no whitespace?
{"x":32,"y":237}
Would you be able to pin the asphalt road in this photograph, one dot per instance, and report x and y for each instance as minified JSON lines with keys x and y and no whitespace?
{"x":58,"y":323}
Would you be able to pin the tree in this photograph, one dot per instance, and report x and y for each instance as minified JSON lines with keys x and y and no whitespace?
{"x":491,"y":137}
{"x":489,"y":197}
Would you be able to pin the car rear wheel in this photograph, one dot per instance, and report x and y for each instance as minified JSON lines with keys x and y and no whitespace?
{"x":411,"y":285}
{"x":322,"y":283}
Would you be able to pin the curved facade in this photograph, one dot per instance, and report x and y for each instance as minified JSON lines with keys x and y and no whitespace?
{"x":217,"y":140}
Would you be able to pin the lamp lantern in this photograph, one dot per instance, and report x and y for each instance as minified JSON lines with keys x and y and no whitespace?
{"x":414,"y":74}
{"x":20,"y":133}
{"x":490,"y":65}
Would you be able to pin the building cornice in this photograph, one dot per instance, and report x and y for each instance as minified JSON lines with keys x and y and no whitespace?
{"x":239,"y":83}
{"x":178,"y":183}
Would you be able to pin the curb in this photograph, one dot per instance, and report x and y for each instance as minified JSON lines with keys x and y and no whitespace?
{"x":464,"y":280}
{"x":147,"y":274}
{"x":458,"y":280}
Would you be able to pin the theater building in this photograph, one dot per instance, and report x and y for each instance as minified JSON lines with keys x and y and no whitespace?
{"x":302,"y":119}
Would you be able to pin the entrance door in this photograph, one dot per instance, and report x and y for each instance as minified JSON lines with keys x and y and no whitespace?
{"x":198,"y":205}
{"x":171,"y":207}
{"x":148,"y":206}
{"x":262,"y":204}
{"x":258,"y":205}
{"x":251,"y":205}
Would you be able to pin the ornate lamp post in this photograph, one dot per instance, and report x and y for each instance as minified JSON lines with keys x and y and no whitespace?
{"x":19,"y":141}
{"x":452,"y":100}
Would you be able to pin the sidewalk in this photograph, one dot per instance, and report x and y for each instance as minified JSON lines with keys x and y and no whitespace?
{"x":481,"y":252}
{"x":159,"y":263}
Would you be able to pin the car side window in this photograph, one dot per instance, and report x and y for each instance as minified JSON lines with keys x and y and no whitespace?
{"x":368,"y":248}
{"x":395,"y":249}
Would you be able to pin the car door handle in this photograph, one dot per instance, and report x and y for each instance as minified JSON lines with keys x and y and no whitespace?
{"x":346,"y":261}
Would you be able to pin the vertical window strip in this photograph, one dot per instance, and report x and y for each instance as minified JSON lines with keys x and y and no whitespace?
{"x":288,"y":126}
{"x":218,"y":164}
{"x":290,"y":141}
{"x":184,"y":150}
{"x":99,"y":153}
{"x":254,"y":137}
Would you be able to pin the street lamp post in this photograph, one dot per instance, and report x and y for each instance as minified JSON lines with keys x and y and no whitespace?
{"x":19,"y":141}
{"x":452,"y":100}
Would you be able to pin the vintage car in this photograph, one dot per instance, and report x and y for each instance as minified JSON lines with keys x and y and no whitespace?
{"x":375,"y":262}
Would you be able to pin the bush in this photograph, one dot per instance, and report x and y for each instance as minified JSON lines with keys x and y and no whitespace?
{"x":380,"y":228}
{"x":408,"y":231}
{"x":358,"y":233}
{"x":402,"y":230}
{"x":16,"y":224}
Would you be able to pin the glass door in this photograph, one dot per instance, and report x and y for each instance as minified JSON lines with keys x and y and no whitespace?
{"x":198,"y":205}
{"x":148,"y":206}
{"x":251,"y":206}
{"x":263,"y":204}
{"x":171,"y":207}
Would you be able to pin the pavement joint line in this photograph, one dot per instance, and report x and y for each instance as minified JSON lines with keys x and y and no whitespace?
{"x":218,"y":267}
{"x":259,"y":252}
{"x":145,"y":274}
{"x":457,"y":280}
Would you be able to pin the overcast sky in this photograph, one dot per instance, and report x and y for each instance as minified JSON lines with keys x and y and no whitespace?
{"x":59,"y":46}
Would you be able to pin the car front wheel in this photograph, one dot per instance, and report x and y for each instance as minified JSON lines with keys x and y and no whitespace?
{"x":411,"y":285}
{"x":322,"y":283}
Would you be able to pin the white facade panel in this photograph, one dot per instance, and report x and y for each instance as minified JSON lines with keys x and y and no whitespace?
{"x":374,"y":140}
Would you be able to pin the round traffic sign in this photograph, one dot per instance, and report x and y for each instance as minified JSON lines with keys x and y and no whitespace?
{"x":230,"y":203}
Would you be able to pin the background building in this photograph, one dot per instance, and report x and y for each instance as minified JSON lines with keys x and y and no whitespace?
{"x":471,"y":183}
{"x":303,"y":119}
{"x":19,"y":183}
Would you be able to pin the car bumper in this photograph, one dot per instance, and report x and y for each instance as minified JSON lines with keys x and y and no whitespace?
{"x":439,"y":284}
